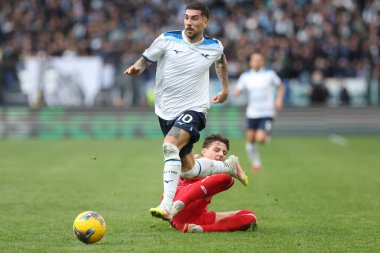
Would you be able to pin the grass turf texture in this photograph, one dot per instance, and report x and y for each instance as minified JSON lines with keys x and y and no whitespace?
{"x":313,"y":195}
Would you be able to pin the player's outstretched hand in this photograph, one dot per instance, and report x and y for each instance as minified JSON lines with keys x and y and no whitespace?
{"x":132,"y":70}
{"x":220,"y":97}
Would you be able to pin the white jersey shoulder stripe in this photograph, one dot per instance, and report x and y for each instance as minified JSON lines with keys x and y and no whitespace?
{"x":174,"y":34}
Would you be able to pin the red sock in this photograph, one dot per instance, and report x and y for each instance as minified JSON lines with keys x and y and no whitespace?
{"x":240,"y":221}
{"x":207,"y":187}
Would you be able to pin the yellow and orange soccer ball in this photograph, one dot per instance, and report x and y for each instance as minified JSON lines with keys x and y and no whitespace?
{"x":89,"y":227}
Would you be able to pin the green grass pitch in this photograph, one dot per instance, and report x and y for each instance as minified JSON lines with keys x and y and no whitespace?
{"x":313,"y":195}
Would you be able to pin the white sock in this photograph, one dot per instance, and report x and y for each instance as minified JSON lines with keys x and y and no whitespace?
{"x":253,"y":154}
{"x":172,"y":172}
{"x":205,"y":167}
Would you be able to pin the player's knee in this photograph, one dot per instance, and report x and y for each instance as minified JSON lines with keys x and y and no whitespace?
{"x":171,"y":151}
{"x":250,"y":136}
{"x":261,"y":139}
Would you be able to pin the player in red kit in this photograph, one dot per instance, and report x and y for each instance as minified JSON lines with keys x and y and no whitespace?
{"x":190,"y":212}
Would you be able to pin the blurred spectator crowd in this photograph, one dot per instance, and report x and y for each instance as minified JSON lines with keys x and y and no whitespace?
{"x":301,"y":39}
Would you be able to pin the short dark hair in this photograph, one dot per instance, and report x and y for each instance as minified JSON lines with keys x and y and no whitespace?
{"x":215,"y":137}
{"x":200,"y":7}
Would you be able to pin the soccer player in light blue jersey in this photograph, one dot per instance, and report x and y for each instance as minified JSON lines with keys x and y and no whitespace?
{"x":265,"y":96}
{"x":182,"y":100}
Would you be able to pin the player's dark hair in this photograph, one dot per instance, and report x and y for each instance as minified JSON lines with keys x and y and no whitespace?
{"x":215,"y":137}
{"x":200,"y":7}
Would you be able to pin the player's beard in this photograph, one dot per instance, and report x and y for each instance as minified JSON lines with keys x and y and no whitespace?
{"x":191,"y":33}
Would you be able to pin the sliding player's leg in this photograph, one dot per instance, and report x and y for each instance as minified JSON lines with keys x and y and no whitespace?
{"x":205,"y":188}
{"x":224,"y":221}
{"x":205,"y":167}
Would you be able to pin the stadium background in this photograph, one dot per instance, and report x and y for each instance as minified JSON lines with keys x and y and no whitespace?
{"x":61,"y":64}
{"x":76,"y":135}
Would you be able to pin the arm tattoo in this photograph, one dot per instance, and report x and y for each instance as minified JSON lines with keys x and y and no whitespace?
{"x":142,"y":63}
{"x":222,"y":71}
{"x":174,"y":132}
